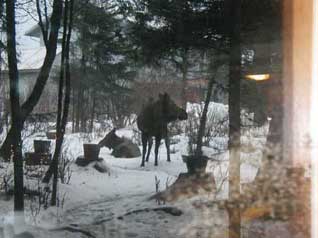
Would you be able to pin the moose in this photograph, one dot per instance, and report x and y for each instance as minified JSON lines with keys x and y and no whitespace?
{"x":122,"y":147}
{"x":153,"y":122}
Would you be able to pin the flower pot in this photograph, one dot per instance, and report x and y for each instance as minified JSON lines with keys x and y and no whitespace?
{"x":195,"y":164}
{"x":91,"y":151}
{"x":42,"y":146}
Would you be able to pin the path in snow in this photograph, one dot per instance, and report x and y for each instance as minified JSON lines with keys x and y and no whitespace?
{"x":110,"y":208}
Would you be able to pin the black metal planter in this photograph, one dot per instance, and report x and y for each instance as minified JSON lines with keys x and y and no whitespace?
{"x":195,"y":164}
{"x":91,"y":151}
{"x":42,"y":146}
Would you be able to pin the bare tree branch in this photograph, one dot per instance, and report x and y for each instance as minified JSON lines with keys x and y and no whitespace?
{"x":44,"y":29}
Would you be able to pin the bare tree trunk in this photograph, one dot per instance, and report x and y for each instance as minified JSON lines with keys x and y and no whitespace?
{"x":80,"y":124}
{"x":83,"y":116}
{"x":68,"y":12}
{"x":234,"y":142}
{"x":73,"y":110}
{"x":59,"y":133}
{"x":78,"y":98}
{"x":273,"y":148}
{"x":184,"y":78}
{"x":92,"y":112}
{"x":16,"y":123}
{"x":198,"y":151}
{"x":274,"y":137}
{"x":62,"y":114}
{"x":44,"y":28}
{"x":41,"y":80}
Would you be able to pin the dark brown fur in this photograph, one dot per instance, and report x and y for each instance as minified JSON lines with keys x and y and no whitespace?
{"x":153,"y":121}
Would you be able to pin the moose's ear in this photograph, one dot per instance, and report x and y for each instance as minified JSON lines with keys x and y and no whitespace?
{"x":113,"y":130}
{"x":161,"y":96}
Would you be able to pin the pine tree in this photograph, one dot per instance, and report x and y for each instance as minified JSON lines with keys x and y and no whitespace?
{"x":105,"y":61}
{"x":164,"y":29}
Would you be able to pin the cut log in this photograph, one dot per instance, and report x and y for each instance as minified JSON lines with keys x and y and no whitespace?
{"x":186,"y":186}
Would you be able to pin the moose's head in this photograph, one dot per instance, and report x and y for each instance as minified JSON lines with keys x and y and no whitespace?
{"x":110,"y":140}
{"x":171,"y":111}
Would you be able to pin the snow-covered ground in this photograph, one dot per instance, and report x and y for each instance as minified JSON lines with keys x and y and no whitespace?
{"x":117,"y":204}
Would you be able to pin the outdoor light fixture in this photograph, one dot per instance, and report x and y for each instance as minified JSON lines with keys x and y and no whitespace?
{"x":259,"y":68}
{"x":258,"y":77}
{"x":258,"y":71}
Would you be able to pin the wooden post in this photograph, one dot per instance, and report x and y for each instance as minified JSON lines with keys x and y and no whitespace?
{"x":297,"y":68}
{"x":297,"y":82}
{"x":314,"y":128}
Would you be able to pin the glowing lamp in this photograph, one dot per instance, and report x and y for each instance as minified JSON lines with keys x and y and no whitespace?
{"x":258,"y":77}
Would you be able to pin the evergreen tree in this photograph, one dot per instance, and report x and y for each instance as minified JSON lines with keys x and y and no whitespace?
{"x":104,"y":59}
{"x":163,"y":29}
{"x":261,"y":36}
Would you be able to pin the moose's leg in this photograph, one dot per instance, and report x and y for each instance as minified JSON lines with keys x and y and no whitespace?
{"x":158,"y":139}
{"x":167,"y":141}
{"x":149,"y":147}
{"x":144,"y":139}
